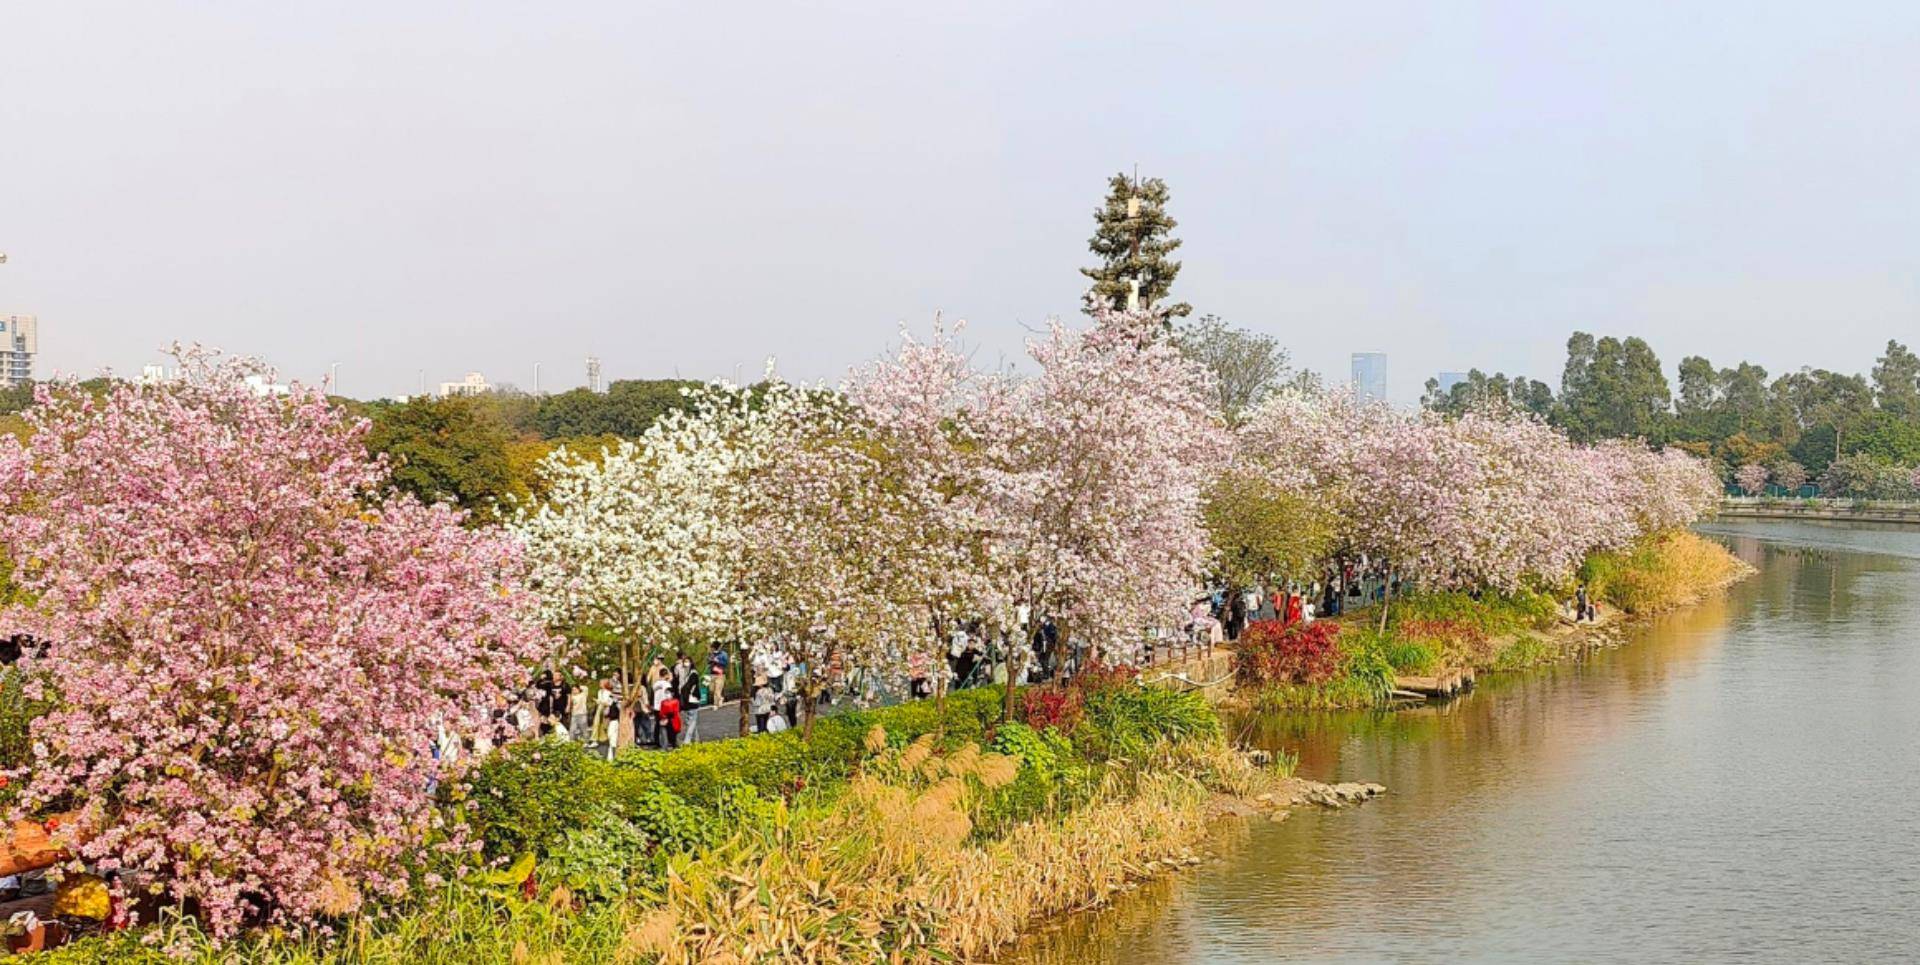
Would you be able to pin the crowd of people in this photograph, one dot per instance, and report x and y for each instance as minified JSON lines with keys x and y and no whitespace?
{"x":1224,"y":613}
{"x":663,"y":709}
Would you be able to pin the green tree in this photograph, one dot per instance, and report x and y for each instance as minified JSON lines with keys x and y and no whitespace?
{"x":1247,"y":366}
{"x":1825,"y":407}
{"x":1613,"y":388}
{"x":1133,"y":237}
{"x":1896,"y":382}
{"x":16,"y":397}
{"x":453,"y":449}
{"x":1887,"y":437}
{"x":1261,"y":530}
{"x":1518,"y":394}
{"x":1699,"y":399}
{"x":627,"y":408}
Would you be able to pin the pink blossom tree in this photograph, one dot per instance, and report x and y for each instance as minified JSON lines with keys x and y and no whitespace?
{"x":1094,"y":475}
{"x":922,"y":402}
{"x":253,"y":640}
{"x":833,"y":560}
{"x":1751,"y":478}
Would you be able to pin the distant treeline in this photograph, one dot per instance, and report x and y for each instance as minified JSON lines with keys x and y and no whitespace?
{"x":1850,"y":433}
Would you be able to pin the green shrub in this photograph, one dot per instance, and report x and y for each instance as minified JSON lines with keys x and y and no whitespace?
{"x":1124,"y":722}
{"x":1527,"y":651}
{"x":1043,"y":751}
{"x":1493,"y":614}
{"x":1004,"y":808}
{"x":598,"y":862}
{"x":670,"y":824}
{"x":526,"y":797}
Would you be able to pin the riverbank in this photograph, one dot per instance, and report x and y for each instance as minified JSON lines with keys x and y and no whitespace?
{"x":923,"y":831}
{"x":1897,"y":512}
{"x":1430,"y":638}
{"x":1593,"y":811}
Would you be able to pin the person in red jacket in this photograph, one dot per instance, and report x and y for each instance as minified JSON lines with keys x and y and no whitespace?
{"x":667,"y":722}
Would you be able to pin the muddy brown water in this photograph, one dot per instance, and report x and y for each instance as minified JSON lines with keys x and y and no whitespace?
{"x":1739,"y":781}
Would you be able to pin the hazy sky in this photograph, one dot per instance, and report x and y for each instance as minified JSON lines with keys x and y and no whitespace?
{"x":687,"y":188}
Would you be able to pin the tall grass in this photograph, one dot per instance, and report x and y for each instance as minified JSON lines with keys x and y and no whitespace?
{"x":1660,"y":573}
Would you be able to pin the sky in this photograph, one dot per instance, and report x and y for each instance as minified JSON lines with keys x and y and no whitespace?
{"x":421,"y":189}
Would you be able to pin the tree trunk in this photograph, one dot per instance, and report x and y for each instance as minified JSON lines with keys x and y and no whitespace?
{"x":940,"y":689}
{"x":627,"y":654}
{"x":1386,"y":600}
{"x":809,"y":705}
{"x":746,"y":688}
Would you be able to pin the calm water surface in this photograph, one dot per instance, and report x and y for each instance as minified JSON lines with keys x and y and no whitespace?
{"x":1740,"y":781}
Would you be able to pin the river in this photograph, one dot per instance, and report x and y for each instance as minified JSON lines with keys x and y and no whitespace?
{"x":1737,"y":781}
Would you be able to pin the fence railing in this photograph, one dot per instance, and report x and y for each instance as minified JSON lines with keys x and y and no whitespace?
{"x":1781,"y":507}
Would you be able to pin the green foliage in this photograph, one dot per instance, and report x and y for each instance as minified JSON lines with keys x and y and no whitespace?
{"x":1896,"y":383}
{"x":1613,"y":388}
{"x":1346,"y":692}
{"x":1053,"y":778}
{"x":17,"y":715}
{"x":1124,"y":721}
{"x":1478,"y":390}
{"x":17,"y":397}
{"x":1247,"y":366}
{"x":1494,"y":614}
{"x":526,"y":797}
{"x":1261,"y":530}
{"x":1134,"y":245}
{"x":669,"y":823}
{"x":1410,"y":656}
{"x":1886,"y":437}
{"x":598,"y":861}
{"x":1867,"y":477}
{"x":1042,"y":751}
{"x":1370,"y":671}
{"x":627,"y":408}
{"x":453,"y":449}
{"x":1523,"y":653}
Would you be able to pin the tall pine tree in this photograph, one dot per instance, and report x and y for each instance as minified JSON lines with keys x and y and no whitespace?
{"x":1134,"y":241}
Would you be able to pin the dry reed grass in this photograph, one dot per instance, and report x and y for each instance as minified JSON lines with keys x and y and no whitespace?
{"x":1663,"y":572}
{"x":887,"y":873}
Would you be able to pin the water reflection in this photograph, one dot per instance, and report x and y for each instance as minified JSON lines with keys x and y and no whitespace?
{"x":1735,"y":782}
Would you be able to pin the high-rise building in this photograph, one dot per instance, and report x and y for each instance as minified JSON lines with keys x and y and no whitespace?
{"x":473,"y":384}
{"x":1370,"y":376}
{"x":19,"y":342}
{"x":593,"y":373}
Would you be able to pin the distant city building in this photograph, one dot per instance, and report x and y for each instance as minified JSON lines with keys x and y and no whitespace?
{"x":593,"y":373}
{"x":1450,"y":379}
{"x":473,"y":384}
{"x":154,"y":374}
{"x":19,"y":342}
{"x":1370,"y":376}
{"x":259,"y":385}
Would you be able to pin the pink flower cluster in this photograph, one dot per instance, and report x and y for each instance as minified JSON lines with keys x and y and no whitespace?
{"x":253,"y":640}
{"x":1488,"y":499}
{"x":1073,"y":493}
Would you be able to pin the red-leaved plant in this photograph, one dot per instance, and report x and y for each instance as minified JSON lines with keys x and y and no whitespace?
{"x":1060,"y":706}
{"x":1303,"y":653}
